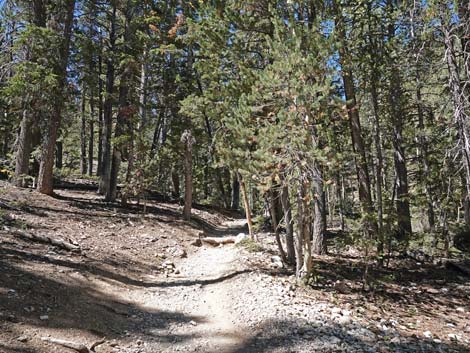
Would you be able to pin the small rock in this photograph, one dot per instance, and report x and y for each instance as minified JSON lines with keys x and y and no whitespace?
{"x":44,"y":317}
{"x":240,"y":237}
{"x":453,"y":337}
{"x":427,"y":334}
{"x":192,"y":322}
{"x":22,"y":339}
{"x":395,"y":340}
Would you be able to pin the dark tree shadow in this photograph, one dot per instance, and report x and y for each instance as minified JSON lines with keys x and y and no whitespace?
{"x":291,"y":336}
{"x":77,"y":306}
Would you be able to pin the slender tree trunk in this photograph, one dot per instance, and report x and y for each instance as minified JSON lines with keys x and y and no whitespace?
{"x":83,"y":133}
{"x":359,"y":149}
{"x":303,"y":250}
{"x":286,"y":206}
{"x":461,"y":117}
{"x":272,"y":201}
{"x":246,"y":204}
{"x":45,"y":177}
{"x":379,"y":166}
{"x":100,"y":116}
{"x":123,"y":115}
{"x":423,"y":153}
{"x":120,"y":131}
{"x":23,"y":149}
{"x":108,"y":110}
{"x":188,"y":140}
{"x":91,"y":140}
{"x":235,"y":193}
{"x":319,"y":211}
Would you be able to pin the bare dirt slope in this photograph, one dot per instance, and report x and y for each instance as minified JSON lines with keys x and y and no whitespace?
{"x":139,"y":285}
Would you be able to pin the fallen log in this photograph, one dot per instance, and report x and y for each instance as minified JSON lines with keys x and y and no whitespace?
{"x":218,"y":241}
{"x":45,"y":239}
{"x":81,"y":348}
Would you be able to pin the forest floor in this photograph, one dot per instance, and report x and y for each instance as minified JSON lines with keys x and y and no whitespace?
{"x":141,"y":284}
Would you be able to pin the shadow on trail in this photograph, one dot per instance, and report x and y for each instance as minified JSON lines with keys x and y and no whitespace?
{"x":332,"y":337}
{"x":78,"y":306}
{"x":99,"y":271}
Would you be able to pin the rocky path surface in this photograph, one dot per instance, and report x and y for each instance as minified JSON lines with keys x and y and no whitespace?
{"x":217,"y":303}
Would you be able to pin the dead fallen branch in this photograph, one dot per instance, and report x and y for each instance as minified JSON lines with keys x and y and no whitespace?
{"x":218,"y":241}
{"x":81,"y":348}
{"x":45,"y":239}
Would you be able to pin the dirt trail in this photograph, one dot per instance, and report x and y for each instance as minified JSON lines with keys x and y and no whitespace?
{"x":214,"y":303}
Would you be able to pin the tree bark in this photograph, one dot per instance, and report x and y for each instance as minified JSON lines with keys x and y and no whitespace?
{"x":461,"y":117}
{"x":319,"y":212}
{"x":91,"y":140}
{"x":273,"y":200}
{"x":235,"y":193}
{"x":23,"y":150}
{"x":359,"y":149}
{"x":108,"y":109}
{"x":83,"y":133}
{"x":395,"y":97}
{"x":286,"y":206}
{"x":246,"y":204}
{"x":45,"y":177}
{"x":188,"y":140}
{"x":100,"y":116}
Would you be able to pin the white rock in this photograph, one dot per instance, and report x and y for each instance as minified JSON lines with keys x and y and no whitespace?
{"x":44,"y":317}
{"x":240,"y":237}
{"x":453,"y":336}
{"x":427,"y":334}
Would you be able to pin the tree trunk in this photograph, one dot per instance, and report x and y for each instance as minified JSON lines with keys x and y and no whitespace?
{"x":188,"y":140}
{"x":24,"y":142}
{"x":91,"y":140}
{"x":119,"y":133}
{"x":100,"y":116}
{"x":286,"y":206}
{"x":319,"y":211}
{"x":23,"y":149}
{"x":83,"y":133}
{"x":461,"y":117}
{"x":303,"y":251}
{"x":246,"y":204}
{"x":235,"y":193}
{"x":359,"y":149}
{"x":273,"y":200}
{"x":108,"y":110}
{"x":45,"y":177}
